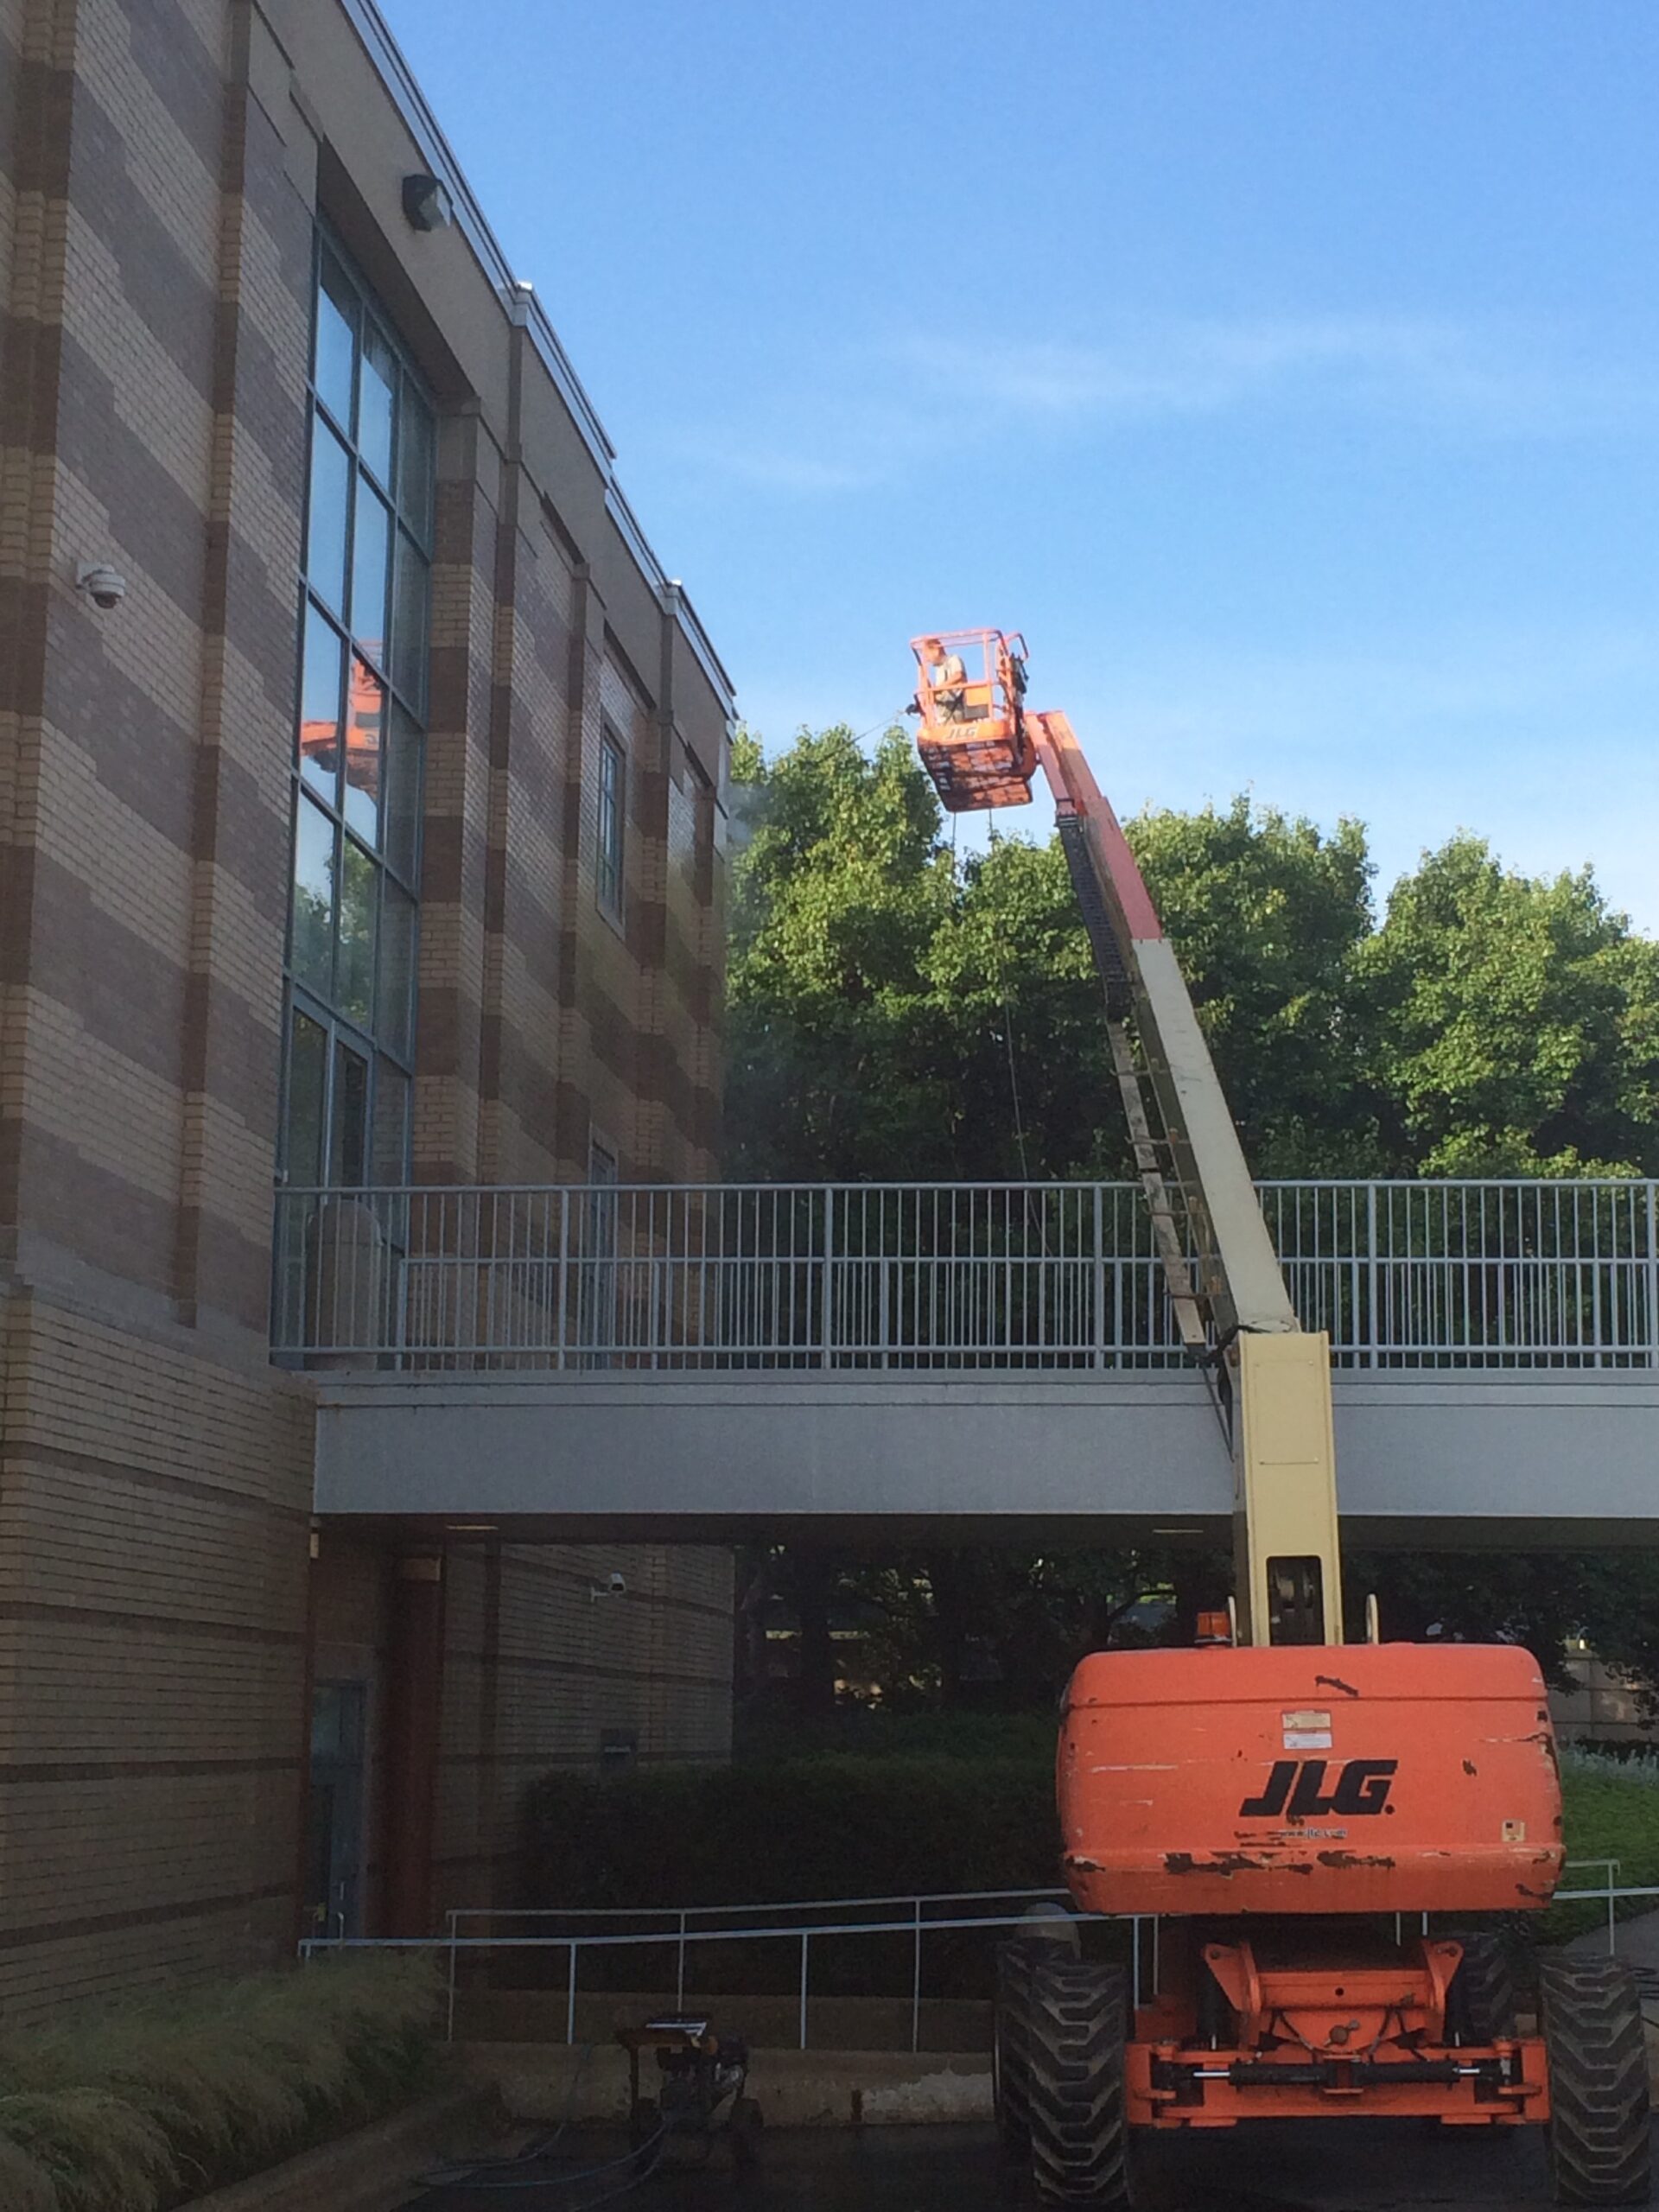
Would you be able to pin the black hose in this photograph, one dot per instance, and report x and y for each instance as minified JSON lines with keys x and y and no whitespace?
{"x":506,"y":2173}
{"x":471,"y":2177}
{"x":539,"y":2147}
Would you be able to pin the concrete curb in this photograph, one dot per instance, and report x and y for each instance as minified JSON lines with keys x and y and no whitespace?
{"x":542,"y":2083}
{"x":372,"y":2169}
{"x":545,"y":2083}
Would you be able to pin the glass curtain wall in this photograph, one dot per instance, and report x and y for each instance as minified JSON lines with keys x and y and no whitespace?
{"x":357,"y":763}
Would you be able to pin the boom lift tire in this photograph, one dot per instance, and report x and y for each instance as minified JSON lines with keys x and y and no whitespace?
{"x":1077,"y":2110}
{"x":1010,"y":2062}
{"x":1481,"y":2003}
{"x":1597,"y":2134}
{"x":1052,"y":1937}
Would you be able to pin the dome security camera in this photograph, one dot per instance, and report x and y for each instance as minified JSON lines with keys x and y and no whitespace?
{"x":104,"y":586}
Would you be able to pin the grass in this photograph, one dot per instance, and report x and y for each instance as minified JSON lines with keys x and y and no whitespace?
{"x":137,"y":2107}
{"x":1611,"y":1812}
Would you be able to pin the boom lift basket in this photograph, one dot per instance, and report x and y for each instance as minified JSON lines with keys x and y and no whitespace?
{"x":973,"y":740}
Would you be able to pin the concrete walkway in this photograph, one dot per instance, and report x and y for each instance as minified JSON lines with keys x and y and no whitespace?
{"x":1637,"y":1948}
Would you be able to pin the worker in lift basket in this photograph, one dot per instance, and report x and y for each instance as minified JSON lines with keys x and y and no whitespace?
{"x":949,"y":679}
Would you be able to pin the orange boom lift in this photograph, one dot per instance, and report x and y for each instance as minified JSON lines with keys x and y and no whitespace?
{"x":1291,"y":1808}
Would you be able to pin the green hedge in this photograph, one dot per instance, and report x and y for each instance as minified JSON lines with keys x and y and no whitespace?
{"x":837,"y":1824}
{"x":833,"y":1825}
{"x":139,"y":2107}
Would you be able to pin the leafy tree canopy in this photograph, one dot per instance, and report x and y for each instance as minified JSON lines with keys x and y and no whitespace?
{"x":897,"y":1013}
{"x":1517,"y":1022}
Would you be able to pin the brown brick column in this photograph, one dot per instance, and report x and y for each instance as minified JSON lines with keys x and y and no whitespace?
{"x":414,"y":1688}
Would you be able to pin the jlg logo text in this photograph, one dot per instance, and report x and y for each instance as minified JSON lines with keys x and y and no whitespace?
{"x":1296,"y":1789}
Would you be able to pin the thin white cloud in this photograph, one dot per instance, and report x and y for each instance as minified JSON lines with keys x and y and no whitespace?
{"x":773,"y":468}
{"x":871,"y":414}
{"x":1508,"y":384}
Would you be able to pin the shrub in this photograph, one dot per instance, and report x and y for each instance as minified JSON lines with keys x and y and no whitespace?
{"x":837,"y":1823}
{"x":95,"y":2152}
{"x":874,"y":1732}
{"x":820,"y":1827}
{"x":135,"y":2108}
{"x":25,"y":2186}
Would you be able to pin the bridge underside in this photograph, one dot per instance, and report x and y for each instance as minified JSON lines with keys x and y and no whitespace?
{"x":1545,"y":1460}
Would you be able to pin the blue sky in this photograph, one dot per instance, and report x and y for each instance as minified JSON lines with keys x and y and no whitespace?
{"x":1288,"y":372}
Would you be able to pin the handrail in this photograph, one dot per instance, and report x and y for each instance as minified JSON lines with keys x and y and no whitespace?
{"x":454,"y":1945}
{"x":933,"y":1276}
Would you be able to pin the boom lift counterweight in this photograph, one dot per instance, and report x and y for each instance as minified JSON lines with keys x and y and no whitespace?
{"x":1293,"y":1805}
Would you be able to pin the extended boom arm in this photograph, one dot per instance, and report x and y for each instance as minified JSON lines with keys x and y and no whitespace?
{"x":1284,"y":1460}
{"x":1230,"y":1303}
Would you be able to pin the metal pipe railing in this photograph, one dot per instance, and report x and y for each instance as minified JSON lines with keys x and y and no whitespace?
{"x":682,"y":1916}
{"x":912,"y":1923}
{"x":944,"y":1275}
{"x":456,"y":1946}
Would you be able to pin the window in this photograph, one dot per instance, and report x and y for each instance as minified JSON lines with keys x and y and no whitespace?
{"x":354,"y":898}
{"x":612,"y":813}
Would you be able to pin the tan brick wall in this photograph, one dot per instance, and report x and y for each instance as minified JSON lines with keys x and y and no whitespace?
{"x":162,"y":163}
{"x":655,"y":1662}
{"x":154,"y":1518}
{"x":535,"y":1669}
{"x":546,"y":1022}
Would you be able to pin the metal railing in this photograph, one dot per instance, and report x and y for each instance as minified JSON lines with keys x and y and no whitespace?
{"x":922,"y":1910}
{"x":929,"y":1276}
{"x":915,"y":1918}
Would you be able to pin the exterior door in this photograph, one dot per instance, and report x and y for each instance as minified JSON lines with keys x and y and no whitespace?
{"x":334,"y":1849}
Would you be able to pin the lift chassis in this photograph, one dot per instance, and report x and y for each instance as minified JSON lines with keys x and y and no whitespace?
{"x":1288,"y":1809}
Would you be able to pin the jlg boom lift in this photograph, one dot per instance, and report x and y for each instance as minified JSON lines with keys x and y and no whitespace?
{"x":1290,"y":1807}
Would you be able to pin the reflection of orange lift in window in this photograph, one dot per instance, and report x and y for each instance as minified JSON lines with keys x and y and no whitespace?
{"x":1287,"y":1807}
{"x":365,"y":711}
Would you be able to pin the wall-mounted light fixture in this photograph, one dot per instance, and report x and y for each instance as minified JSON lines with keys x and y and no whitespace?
{"x":427,"y":202}
{"x":615,"y":1586}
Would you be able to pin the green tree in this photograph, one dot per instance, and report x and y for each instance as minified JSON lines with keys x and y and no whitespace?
{"x":1518,"y":1023}
{"x":839,"y":883}
{"x":1545,"y":1601}
{"x":1012,"y":994}
{"x":1266,"y":914}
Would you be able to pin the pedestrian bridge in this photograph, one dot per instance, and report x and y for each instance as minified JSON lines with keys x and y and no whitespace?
{"x":877,"y":1360}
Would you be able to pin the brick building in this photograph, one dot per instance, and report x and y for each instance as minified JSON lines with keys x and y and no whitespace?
{"x":370,"y":832}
